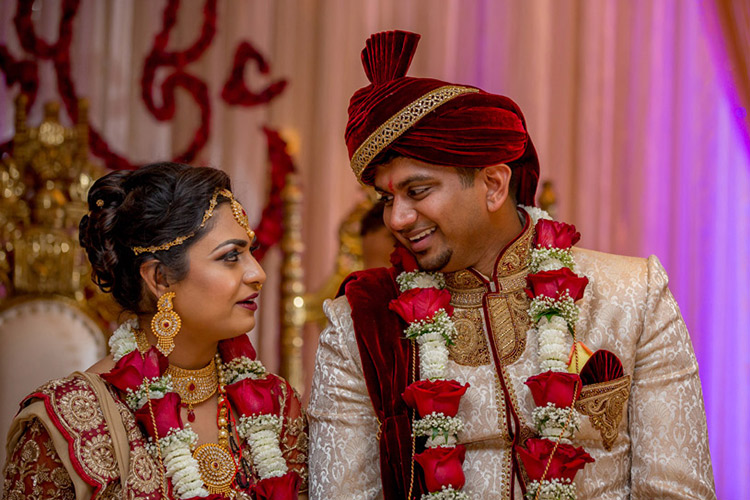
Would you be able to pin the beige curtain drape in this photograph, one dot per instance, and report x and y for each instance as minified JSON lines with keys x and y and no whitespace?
{"x":621,"y":98}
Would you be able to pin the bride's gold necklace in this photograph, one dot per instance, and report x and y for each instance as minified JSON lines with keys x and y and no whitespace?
{"x":216,"y":463}
{"x":194,"y":386}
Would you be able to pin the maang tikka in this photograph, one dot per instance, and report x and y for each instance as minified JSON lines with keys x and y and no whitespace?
{"x":166,"y":323}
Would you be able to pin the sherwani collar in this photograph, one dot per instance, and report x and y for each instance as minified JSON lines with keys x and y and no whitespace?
{"x":511,"y":267}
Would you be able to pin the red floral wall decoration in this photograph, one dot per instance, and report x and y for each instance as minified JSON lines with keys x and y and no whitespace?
{"x":24,"y":73}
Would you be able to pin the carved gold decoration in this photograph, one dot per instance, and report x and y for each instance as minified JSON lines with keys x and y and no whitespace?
{"x":604,"y":403}
{"x":298,"y":306}
{"x":166,"y":323}
{"x":44,"y":183}
{"x":548,"y":199}
{"x":238,"y":213}
{"x":292,"y":285}
{"x":217,"y":467}
{"x":194,"y":386}
{"x":348,"y":260}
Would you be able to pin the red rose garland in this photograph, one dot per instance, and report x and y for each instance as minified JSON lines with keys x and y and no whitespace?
{"x":551,"y":462}
{"x":425,"y":305}
{"x":253,"y":392}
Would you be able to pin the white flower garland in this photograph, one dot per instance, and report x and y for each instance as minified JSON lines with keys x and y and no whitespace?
{"x":433,"y":337}
{"x":420,"y":279}
{"x":176,"y":447}
{"x":262,"y":434}
{"x":156,"y":388}
{"x":243,"y":367}
{"x":122,"y":342}
{"x":179,"y":463}
{"x":554,"y":319}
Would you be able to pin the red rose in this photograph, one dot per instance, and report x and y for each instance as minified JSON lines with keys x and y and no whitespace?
{"x":403,"y":259}
{"x":421,"y":303}
{"x":279,"y":488}
{"x":256,"y":396}
{"x":236,"y":347}
{"x":131,"y":369}
{"x":566,"y":461}
{"x":428,"y":396}
{"x":557,"y":388}
{"x":556,"y":234}
{"x":166,"y":414}
{"x":443,"y":466}
{"x":553,"y":283}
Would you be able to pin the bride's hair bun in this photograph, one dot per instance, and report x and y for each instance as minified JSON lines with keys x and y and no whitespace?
{"x":146,"y":207}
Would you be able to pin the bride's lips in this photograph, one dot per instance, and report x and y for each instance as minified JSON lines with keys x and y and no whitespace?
{"x":249,"y":302}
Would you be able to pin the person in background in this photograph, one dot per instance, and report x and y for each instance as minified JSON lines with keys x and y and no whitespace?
{"x":377,"y":240}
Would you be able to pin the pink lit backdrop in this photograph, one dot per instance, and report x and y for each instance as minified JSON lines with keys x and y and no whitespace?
{"x":634,"y":106}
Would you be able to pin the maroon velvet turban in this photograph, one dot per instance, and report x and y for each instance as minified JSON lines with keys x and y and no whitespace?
{"x":432,"y":121}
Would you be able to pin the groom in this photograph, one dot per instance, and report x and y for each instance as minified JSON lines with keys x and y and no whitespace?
{"x":455,"y":166}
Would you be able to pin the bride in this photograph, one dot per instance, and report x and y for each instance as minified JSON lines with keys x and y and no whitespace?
{"x":180,"y":408}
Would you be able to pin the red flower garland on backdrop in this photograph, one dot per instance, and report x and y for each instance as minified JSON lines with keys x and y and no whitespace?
{"x":235,"y":92}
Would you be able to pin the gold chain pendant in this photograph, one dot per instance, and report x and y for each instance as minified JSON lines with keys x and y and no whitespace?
{"x":216,"y":462}
{"x":217,"y":467}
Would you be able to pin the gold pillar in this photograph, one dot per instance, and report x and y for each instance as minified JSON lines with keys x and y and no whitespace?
{"x":292,"y":286}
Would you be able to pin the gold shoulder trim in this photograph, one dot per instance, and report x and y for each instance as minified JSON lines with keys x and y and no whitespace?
{"x":604,"y":404}
{"x":399,"y":123}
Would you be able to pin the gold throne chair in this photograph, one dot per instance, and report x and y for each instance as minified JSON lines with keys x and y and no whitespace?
{"x":52,"y":320}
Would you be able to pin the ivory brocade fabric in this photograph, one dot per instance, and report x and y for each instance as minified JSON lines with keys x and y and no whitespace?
{"x":661,"y":446}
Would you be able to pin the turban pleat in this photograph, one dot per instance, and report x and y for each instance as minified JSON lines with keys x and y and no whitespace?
{"x":469,"y":129}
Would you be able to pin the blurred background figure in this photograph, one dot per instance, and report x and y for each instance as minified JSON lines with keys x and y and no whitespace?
{"x":377,"y":240}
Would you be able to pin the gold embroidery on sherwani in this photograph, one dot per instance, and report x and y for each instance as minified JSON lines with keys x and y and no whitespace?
{"x":604,"y":404}
{"x":507,"y":308}
{"x":470,"y":347}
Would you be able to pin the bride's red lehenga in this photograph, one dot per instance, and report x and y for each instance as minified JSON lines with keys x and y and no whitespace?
{"x":81,"y":421}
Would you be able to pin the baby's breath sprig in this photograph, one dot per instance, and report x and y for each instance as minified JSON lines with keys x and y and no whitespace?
{"x":418,"y":279}
{"x":440,"y":323}
{"x":563,"y":306}
{"x":551,"y":489}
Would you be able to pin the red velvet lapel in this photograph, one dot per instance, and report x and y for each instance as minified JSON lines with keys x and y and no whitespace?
{"x":386,"y":363}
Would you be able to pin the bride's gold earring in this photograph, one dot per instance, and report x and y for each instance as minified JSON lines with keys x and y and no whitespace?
{"x":165,"y":324}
